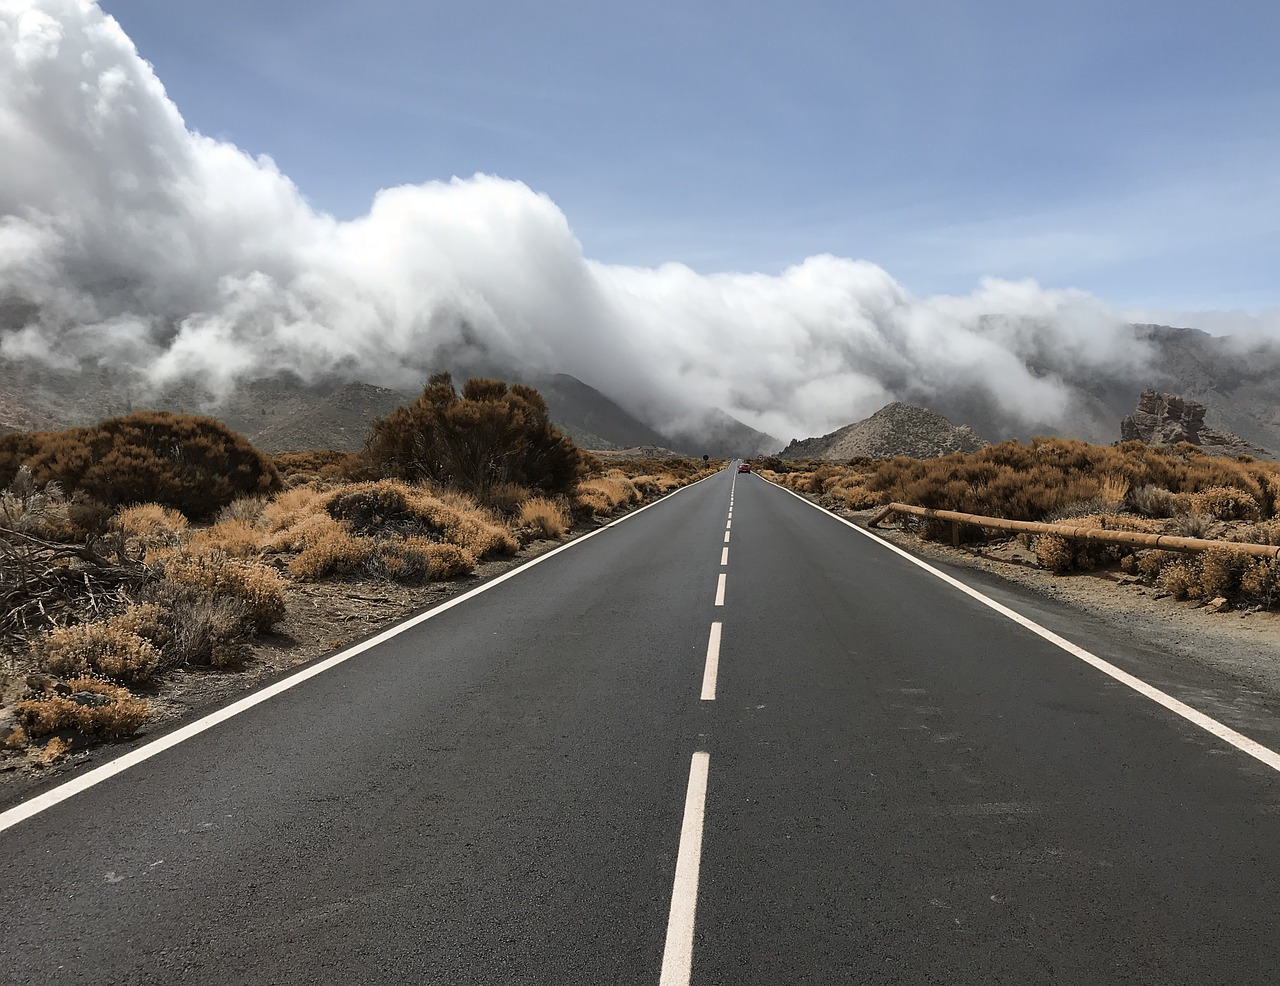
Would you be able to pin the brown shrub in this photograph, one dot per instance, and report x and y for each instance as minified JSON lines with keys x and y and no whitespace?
{"x":1154,"y":501}
{"x":602,"y":495}
{"x":1220,"y":572}
{"x":236,"y":538}
{"x":1260,"y":581}
{"x":491,"y":434}
{"x":1028,"y":482}
{"x":150,"y":526}
{"x":1225,"y":503}
{"x":258,"y":586}
{"x":104,"y":647}
{"x":327,"y":464}
{"x":1181,"y":577}
{"x":246,"y":509}
{"x":548,"y":518}
{"x":193,"y":464}
{"x":31,"y":509}
{"x":119,"y":716}
{"x":198,"y":627}
{"x":389,"y":508}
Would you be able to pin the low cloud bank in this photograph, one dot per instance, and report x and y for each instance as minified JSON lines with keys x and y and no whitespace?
{"x":129,"y":240}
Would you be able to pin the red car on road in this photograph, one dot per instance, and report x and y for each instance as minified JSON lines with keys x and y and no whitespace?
{"x":744,"y":467}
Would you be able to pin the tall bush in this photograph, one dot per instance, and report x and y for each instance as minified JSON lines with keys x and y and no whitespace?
{"x":488,"y":436}
{"x":193,"y":464}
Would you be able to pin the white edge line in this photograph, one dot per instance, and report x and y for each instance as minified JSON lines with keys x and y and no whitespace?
{"x":1208,"y":724}
{"x":119,"y":765}
{"x":677,"y":954}
{"x":720,"y":582}
{"x":712,"y":668}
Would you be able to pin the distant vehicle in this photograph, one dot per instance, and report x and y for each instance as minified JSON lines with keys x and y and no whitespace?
{"x":744,"y":467}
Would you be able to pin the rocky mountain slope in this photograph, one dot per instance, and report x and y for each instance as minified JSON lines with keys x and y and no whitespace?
{"x":896,"y":429}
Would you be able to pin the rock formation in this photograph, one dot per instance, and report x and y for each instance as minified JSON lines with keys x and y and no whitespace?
{"x":1167,"y":419}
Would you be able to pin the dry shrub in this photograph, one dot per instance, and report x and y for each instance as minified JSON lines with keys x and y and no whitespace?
{"x":247,"y":509}
{"x":303,"y":533}
{"x":1061,"y":554}
{"x":1149,"y":500}
{"x":1267,"y":532}
{"x":398,"y":560}
{"x":1192,"y":525}
{"x":286,"y":509}
{"x":506,"y":498}
{"x":258,"y":586}
{"x":392,"y":508}
{"x":1220,"y":572}
{"x":237,"y":538}
{"x":16,"y":739}
{"x":1181,"y":577}
{"x":103,"y":647}
{"x":602,"y":495}
{"x":198,"y":627}
{"x":114,"y":714}
{"x":1113,"y":488}
{"x":1260,"y":581}
{"x":331,"y":551}
{"x":1225,"y":503}
{"x":548,"y":517}
{"x":150,"y":525}
{"x":31,"y":509}
{"x":1150,"y":563}
{"x":854,"y":497}
{"x":1028,"y":482}
{"x":326,"y":464}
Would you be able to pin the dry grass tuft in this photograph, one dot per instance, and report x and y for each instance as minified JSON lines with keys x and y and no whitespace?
{"x":549,"y":518}
{"x":50,"y":753}
{"x":151,"y":526}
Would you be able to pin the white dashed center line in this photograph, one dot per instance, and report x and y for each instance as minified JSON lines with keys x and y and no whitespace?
{"x":726,"y":537}
{"x":720,"y":589}
{"x":713,"y":664}
{"x":724,"y":556}
{"x":677,"y":956}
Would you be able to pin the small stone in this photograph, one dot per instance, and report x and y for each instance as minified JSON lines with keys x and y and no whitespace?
{"x":1161,"y":595}
{"x":91,"y":699}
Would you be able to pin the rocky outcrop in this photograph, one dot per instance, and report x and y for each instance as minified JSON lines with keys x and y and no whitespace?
{"x":896,"y":429}
{"x":1167,"y":419}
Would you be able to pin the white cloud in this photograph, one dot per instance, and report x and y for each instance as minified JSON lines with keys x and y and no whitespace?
{"x":136,"y":241}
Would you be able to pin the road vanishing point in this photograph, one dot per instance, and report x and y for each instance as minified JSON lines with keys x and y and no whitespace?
{"x":729,"y":739}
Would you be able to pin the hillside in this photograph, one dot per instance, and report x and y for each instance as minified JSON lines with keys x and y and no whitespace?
{"x":896,"y":429}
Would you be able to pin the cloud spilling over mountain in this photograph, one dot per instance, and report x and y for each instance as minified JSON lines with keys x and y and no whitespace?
{"x":129,"y":241}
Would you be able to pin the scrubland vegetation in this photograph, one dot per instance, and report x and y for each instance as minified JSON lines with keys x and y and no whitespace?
{"x":156,"y":542}
{"x":1126,"y":487}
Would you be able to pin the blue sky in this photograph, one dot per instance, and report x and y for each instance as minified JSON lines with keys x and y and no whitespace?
{"x":1129,"y":148}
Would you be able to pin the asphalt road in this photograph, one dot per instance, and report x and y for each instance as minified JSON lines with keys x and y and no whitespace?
{"x":901,"y":786}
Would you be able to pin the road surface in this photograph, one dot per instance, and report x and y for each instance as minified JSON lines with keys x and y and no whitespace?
{"x":711,"y":744}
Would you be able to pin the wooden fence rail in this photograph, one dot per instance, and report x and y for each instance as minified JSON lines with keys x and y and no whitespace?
{"x":1166,"y":542}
